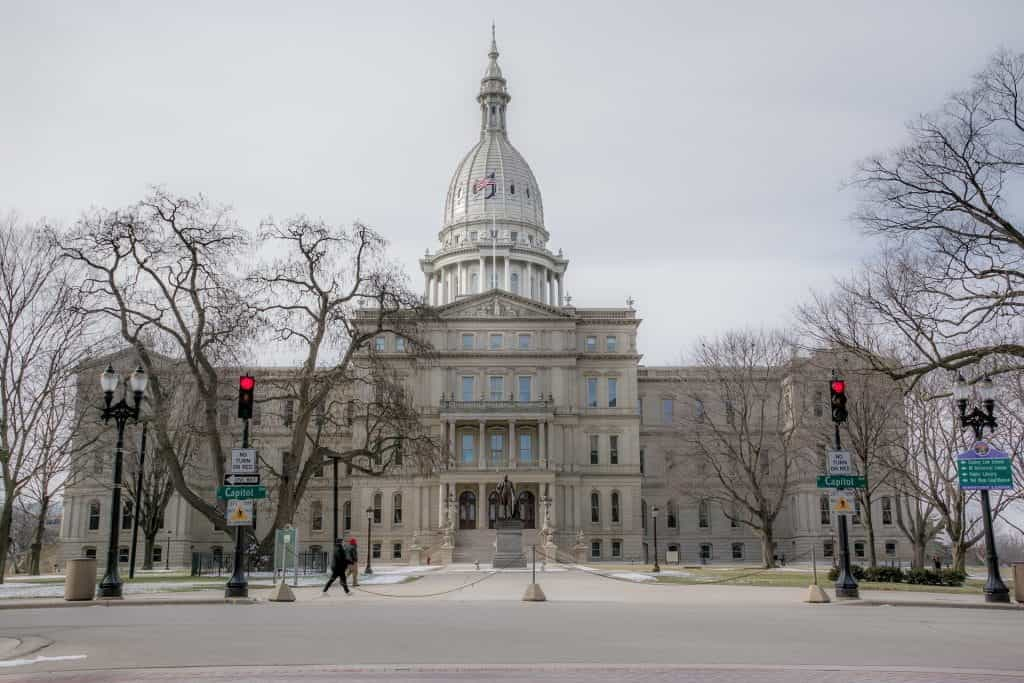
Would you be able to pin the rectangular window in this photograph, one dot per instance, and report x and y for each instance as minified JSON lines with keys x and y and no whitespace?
{"x":525,"y":388}
{"x":523,"y":341}
{"x":856,"y":512}
{"x":289,"y":412}
{"x":497,"y":449}
{"x":593,"y":449}
{"x":640,"y":409}
{"x":595,"y":550}
{"x":613,"y":449}
{"x":376,"y":551}
{"x":126,"y":515}
{"x":705,"y":552}
{"x":698,"y":410}
{"x":616,"y":549}
{"x":122,"y":554}
{"x":737,"y":551}
{"x":890,"y":548}
{"x":703,"y":518}
{"x":378,"y":344}
{"x":468,"y":342}
{"x":396,"y":511}
{"x":825,"y":509}
{"x":467,"y":448}
{"x":828,"y":549}
{"x":667,"y":410}
{"x":317,"y":514}
{"x":525,"y":449}
{"x":887,"y":510}
{"x":90,"y":553}
{"x":819,"y":403}
{"x":472,"y":235}
{"x":497,"y":388}
{"x":591,"y":392}
{"x":318,"y":471}
{"x":643,"y":458}
{"x":497,"y":340}
{"x":590,"y":344}
{"x":396,"y":551}
{"x":467,"y":388}
{"x":400,"y":344}
{"x":730,"y":413}
{"x":858,"y":549}
{"x":613,"y":392}
{"x":611,"y":343}
{"x":158,"y":554}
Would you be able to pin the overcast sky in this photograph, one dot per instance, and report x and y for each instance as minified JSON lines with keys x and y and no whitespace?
{"x":689,"y":156}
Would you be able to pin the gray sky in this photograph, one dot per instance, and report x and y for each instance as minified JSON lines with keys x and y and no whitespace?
{"x":690,"y":156}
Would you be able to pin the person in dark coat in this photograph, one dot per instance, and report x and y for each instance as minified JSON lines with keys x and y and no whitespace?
{"x":353,"y":561}
{"x":339,"y":563}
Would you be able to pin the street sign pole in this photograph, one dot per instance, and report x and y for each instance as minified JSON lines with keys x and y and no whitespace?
{"x":238,"y":586}
{"x":846,"y":585}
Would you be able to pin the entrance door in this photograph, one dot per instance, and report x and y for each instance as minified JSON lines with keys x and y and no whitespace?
{"x":528,"y":509}
{"x":467,"y":510}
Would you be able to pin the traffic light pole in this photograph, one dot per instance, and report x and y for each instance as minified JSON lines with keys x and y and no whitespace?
{"x":846,"y":585}
{"x":238,"y":586}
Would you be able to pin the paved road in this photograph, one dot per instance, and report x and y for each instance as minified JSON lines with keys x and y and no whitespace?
{"x":502,"y":639}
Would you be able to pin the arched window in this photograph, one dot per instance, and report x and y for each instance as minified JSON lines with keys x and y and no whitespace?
{"x":670,"y":515}
{"x":595,"y":507}
{"x":126,"y":515}
{"x":396,"y":509}
{"x":528,"y":510}
{"x":467,"y":510}
{"x":378,"y":503}
{"x":94,"y":515}
{"x":515,"y":283}
{"x":316,"y":516}
{"x":703,"y":518}
{"x":346,"y":515}
{"x":615,"y":508}
{"x":643,"y":514}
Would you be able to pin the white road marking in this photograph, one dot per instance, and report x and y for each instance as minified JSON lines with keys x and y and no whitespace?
{"x":38,"y":659}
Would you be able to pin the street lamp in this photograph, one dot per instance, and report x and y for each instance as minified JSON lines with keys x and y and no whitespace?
{"x":977,"y":420}
{"x":654,"y":516}
{"x":121,"y":412}
{"x":369,"y":539}
{"x":167,"y":552}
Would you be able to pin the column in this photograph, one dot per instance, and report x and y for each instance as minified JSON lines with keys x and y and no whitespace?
{"x":481,"y":282}
{"x":482,"y":455}
{"x":529,"y":280}
{"x":440,"y":507}
{"x":451,"y":440}
{"x":481,"y":507}
{"x":542,"y":452}
{"x":560,"y":296}
{"x":437,"y":288}
{"x":426,"y":287}
{"x":508,"y":271}
{"x":513,"y":460}
{"x":551,"y":288}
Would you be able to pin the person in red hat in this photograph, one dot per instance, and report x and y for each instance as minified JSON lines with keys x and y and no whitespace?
{"x":353,"y":561}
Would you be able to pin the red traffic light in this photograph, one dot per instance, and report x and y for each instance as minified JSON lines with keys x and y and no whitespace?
{"x":246,"y":383}
{"x":838,"y":386}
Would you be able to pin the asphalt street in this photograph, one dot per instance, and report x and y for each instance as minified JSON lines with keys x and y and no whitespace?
{"x":366,"y":637}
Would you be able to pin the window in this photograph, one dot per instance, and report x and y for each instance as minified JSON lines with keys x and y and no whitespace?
{"x":126,"y":515}
{"x":595,"y":507}
{"x":467,"y":449}
{"x":318,"y":470}
{"x":703,"y":518}
{"x":613,"y":392}
{"x":819,"y":402}
{"x":737,"y":551}
{"x":378,"y":502}
{"x":513,"y":235}
{"x":640,"y":409}
{"x":616,"y":549}
{"x":497,"y":340}
{"x":474,"y":283}
{"x":525,"y":449}
{"x":515,"y":278}
{"x":734,"y":517}
{"x":122,"y":554}
{"x":890,"y":548}
{"x":611,"y":343}
{"x":158,"y":554}
{"x":396,"y":551}
{"x":667,"y":409}
{"x":643,"y":514}
{"x":497,"y":448}
{"x":643,"y":459}
{"x":705,"y":552}
{"x":698,"y":410}
{"x":97,"y":464}
{"x":472,"y":233}
{"x":378,"y":344}
{"x":613,"y":449}
{"x":828,"y":549}
{"x":375,"y":551}
{"x":94,"y":515}
{"x":825,"y":507}
{"x":467,"y":342}
{"x":525,"y":388}
{"x":396,"y":509}
{"x":591,"y":392}
{"x":590,"y":344}
{"x":289,"y":413}
{"x":316,"y":515}
{"x":886,"y":510}
{"x":89,"y":552}
{"x":730,"y":413}
{"x":467,"y":388}
{"x":858,"y":549}
{"x":400,"y":344}
{"x":346,"y":515}
{"x":523,"y":341}
{"x":593,"y":449}
{"x":615,"y":507}
{"x":856,"y":511}
{"x":670,"y":516}
{"x":595,"y":550}
{"x":497,"y":388}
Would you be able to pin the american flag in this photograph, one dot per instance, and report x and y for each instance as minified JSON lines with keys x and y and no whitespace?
{"x":486,"y":181}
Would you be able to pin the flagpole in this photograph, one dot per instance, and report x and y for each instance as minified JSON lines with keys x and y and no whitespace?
{"x":494,"y":250}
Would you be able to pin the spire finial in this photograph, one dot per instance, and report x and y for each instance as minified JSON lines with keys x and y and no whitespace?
{"x":494,"y":43}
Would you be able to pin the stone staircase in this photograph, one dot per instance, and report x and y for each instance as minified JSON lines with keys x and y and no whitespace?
{"x":473,"y":545}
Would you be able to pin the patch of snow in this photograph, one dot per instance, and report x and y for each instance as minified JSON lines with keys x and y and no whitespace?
{"x":636,"y":577}
{"x":39,"y":659}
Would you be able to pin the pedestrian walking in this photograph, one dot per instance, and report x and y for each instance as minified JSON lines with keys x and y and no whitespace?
{"x":353,"y":561}
{"x":339,"y":564}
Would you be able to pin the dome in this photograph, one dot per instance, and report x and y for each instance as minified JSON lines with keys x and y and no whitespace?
{"x":493,"y":182}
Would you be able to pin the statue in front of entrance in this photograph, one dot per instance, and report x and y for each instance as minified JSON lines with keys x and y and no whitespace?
{"x":508,"y":502}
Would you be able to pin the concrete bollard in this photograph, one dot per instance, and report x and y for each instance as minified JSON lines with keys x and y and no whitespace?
{"x":817,"y":595}
{"x":80,"y":580}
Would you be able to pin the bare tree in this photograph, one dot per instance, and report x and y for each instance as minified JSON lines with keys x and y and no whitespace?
{"x":742,"y":440}
{"x":43,"y":337}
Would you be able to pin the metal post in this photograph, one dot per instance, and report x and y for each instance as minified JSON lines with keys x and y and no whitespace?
{"x":846,"y":584}
{"x":369,"y":540}
{"x":533,"y":578}
{"x":336,"y":537}
{"x":238,"y":586}
{"x":138,"y":497}
{"x":111,"y":586}
{"x":995,"y":589}
{"x":654,"y":522}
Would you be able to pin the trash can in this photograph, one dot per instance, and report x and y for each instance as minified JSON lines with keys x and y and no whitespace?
{"x":80,"y":579}
{"x":1018,"y":582}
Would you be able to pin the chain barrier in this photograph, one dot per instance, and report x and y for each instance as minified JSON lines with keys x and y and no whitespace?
{"x":468,"y":584}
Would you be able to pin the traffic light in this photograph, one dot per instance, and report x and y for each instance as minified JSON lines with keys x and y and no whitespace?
{"x":246,"y":389}
{"x":837,"y":388}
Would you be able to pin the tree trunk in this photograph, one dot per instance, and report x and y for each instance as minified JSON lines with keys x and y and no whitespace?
{"x":960,"y":555}
{"x":767,"y":548}
{"x":37,"y":540}
{"x":147,"y":550}
{"x":919,"y":546}
{"x":6,"y":517}
{"x":872,"y":552}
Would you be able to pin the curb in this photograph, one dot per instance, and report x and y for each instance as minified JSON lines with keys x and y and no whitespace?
{"x":144,"y":602}
{"x":925,"y":603}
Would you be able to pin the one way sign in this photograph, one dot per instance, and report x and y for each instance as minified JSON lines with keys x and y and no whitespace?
{"x":241,"y":479}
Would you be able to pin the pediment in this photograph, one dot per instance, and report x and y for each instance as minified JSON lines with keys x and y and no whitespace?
{"x":500,"y":305}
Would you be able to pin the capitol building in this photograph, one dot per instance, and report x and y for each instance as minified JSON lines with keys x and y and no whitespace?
{"x":524,"y":383}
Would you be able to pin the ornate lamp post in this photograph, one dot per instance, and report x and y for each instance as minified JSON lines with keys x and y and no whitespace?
{"x":121,"y":412}
{"x":654,"y":517}
{"x":369,"y":539}
{"x":977,"y":420}
{"x":167,"y":552}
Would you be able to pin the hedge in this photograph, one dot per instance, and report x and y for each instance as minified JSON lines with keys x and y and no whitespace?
{"x":926,"y":577}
